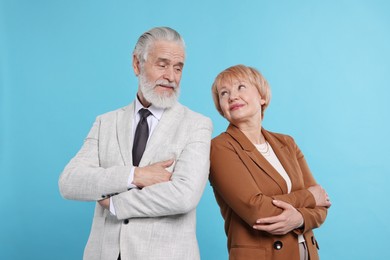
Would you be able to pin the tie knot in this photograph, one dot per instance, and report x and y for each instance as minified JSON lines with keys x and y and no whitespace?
{"x":144,"y":113}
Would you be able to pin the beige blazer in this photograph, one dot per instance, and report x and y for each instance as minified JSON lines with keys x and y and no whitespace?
{"x":245,"y":184}
{"x":156,"y":222}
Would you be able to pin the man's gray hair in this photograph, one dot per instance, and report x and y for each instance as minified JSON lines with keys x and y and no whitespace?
{"x":144,"y":42}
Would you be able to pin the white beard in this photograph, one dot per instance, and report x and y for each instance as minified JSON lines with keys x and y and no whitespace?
{"x":165,"y":100}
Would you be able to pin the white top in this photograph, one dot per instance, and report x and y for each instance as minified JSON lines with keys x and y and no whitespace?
{"x":268,"y":153}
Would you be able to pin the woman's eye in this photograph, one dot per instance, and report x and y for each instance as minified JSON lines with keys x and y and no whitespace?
{"x":241,"y":86}
{"x":223,"y":93}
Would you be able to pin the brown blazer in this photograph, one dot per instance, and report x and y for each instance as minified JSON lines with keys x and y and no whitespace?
{"x":245,"y":184}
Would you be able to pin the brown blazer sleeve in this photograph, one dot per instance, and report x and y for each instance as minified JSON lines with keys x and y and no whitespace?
{"x":313,"y":218}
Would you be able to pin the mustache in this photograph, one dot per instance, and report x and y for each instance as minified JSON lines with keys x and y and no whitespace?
{"x":165,"y":83}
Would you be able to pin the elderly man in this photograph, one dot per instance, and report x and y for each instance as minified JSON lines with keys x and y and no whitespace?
{"x":146,"y":164}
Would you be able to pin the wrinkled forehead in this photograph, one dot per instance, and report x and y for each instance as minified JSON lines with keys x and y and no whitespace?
{"x":171,"y":49}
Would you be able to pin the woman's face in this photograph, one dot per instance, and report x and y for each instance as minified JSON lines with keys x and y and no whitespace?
{"x":240,"y":101}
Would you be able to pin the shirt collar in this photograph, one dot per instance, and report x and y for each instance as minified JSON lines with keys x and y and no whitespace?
{"x":156,"y":111}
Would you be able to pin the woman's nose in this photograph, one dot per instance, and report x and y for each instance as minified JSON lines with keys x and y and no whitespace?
{"x":233,"y":96}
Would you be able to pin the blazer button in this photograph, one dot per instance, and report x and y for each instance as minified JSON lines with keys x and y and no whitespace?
{"x":126,"y":221}
{"x":278,"y":245}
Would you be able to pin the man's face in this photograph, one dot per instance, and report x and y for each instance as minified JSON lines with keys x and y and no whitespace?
{"x":160,"y":74}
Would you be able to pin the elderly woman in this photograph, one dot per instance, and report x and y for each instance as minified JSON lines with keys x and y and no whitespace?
{"x":267,"y":195}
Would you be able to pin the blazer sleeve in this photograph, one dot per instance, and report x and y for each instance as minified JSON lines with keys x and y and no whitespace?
{"x":84,"y":179}
{"x":183,"y":192}
{"x":233,"y":182}
{"x":313,"y":217}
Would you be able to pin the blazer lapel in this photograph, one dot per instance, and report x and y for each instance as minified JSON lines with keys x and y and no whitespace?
{"x":169,"y":119}
{"x":256,"y":157}
{"x":124,"y":131}
{"x":284,"y":155}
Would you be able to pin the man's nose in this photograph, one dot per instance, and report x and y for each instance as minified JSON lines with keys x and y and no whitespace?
{"x":169,"y":74}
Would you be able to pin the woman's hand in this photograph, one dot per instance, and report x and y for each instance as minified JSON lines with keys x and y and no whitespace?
{"x":320,"y":195}
{"x":288,"y":220}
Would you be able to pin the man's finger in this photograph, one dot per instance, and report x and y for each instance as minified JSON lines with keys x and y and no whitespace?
{"x":166,"y":163}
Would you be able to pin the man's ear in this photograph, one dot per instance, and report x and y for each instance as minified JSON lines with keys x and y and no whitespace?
{"x":136,"y":65}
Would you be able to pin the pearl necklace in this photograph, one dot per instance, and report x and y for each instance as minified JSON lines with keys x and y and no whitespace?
{"x":264,"y":149}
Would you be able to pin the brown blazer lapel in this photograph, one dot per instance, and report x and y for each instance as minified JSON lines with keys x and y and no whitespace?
{"x":285,"y":155}
{"x":256,"y":157}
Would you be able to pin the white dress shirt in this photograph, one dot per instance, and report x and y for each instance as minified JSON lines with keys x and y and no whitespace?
{"x":153,"y":120}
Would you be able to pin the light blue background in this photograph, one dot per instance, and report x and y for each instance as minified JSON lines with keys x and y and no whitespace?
{"x":65,"y":62}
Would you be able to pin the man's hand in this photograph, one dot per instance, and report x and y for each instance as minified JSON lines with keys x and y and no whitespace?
{"x":288,"y":220}
{"x":152,"y":174}
{"x":320,"y":195}
{"x":105,"y":203}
